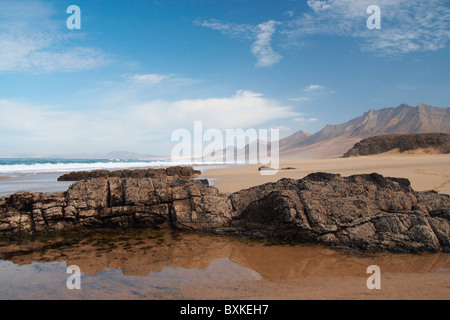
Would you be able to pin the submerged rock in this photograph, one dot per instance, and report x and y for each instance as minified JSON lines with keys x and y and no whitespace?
{"x":366,"y":212}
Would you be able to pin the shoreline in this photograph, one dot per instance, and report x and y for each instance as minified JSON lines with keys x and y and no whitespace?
{"x":42,"y":182}
{"x":425,"y":171}
{"x":317,"y":273}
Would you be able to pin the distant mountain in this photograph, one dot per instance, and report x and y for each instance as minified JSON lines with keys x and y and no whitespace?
{"x":415,"y":142}
{"x":335,"y":140}
{"x":295,"y":139}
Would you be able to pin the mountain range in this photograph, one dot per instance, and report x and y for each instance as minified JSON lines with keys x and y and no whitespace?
{"x":335,"y":140}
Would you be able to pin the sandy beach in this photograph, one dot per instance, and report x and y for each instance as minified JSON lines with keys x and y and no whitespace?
{"x":425,"y":171}
{"x":169,"y":265}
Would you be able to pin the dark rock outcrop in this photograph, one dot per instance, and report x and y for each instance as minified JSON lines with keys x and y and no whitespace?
{"x":172,"y":172}
{"x":367,"y":212}
{"x":435,"y":142}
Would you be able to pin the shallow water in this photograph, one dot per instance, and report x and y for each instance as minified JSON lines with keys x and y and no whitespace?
{"x":42,"y":182}
{"x":149,"y":264}
{"x":48,"y":181}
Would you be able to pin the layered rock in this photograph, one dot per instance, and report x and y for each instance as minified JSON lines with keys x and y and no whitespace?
{"x":173,"y":172}
{"x":427,"y":142}
{"x":367,"y":212}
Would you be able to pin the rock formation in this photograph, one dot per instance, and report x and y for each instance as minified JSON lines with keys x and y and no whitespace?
{"x":433,"y":142}
{"x":367,"y":212}
{"x":173,"y":172}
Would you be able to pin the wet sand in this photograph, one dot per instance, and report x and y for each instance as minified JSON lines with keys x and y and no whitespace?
{"x":39,"y":182}
{"x":425,"y":171}
{"x":148,"y":264}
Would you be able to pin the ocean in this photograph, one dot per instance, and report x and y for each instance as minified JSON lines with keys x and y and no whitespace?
{"x":19,"y":166}
{"x":41,"y":175}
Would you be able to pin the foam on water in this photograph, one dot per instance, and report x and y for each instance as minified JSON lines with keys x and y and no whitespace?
{"x":41,"y":166}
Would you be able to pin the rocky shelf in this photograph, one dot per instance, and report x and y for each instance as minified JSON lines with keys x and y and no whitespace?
{"x":367,"y":212}
{"x":172,"y":172}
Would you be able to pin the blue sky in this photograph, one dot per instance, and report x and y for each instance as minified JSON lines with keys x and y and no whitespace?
{"x":137,"y":70}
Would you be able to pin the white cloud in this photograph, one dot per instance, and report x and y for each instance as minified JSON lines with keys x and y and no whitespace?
{"x":244,"y":31}
{"x":153,"y":79}
{"x":319,"y":5}
{"x":261,"y":35}
{"x":23,"y":117}
{"x":303,"y":120}
{"x":262,"y":48}
{"x":24,"y":125}
{"x":407,"y":25}
{"x":313,"y":87}
{"x":31,"y":40}
{"x":289,"y":13}
{"x":282,"y":128}
{"x":300,"y":99}
{"x":243,"y":110}
{"x":150,"y":78}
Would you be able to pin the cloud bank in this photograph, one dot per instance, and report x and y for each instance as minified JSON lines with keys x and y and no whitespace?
{"x":407,"y":26}
{"x":132,"y":127}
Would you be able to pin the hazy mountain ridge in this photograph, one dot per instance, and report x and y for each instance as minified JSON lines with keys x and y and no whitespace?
{"x":335,"y":140}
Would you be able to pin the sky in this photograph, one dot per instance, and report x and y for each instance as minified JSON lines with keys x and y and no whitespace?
{"x":137,"y":70}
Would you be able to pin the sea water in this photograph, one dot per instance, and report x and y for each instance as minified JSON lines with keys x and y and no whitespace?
{"x":41,"y":175}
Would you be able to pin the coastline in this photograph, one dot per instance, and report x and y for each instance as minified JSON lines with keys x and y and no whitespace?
{"x":47,"y":181}
{"x":425,"y":171}
{"x":337,"y":278}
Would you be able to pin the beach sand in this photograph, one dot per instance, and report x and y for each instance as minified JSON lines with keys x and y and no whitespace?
{"x":425,"y":171}
{"x":394,"y":286}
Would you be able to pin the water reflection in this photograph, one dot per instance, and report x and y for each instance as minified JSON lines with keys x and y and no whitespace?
{"x":158,"y":264}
